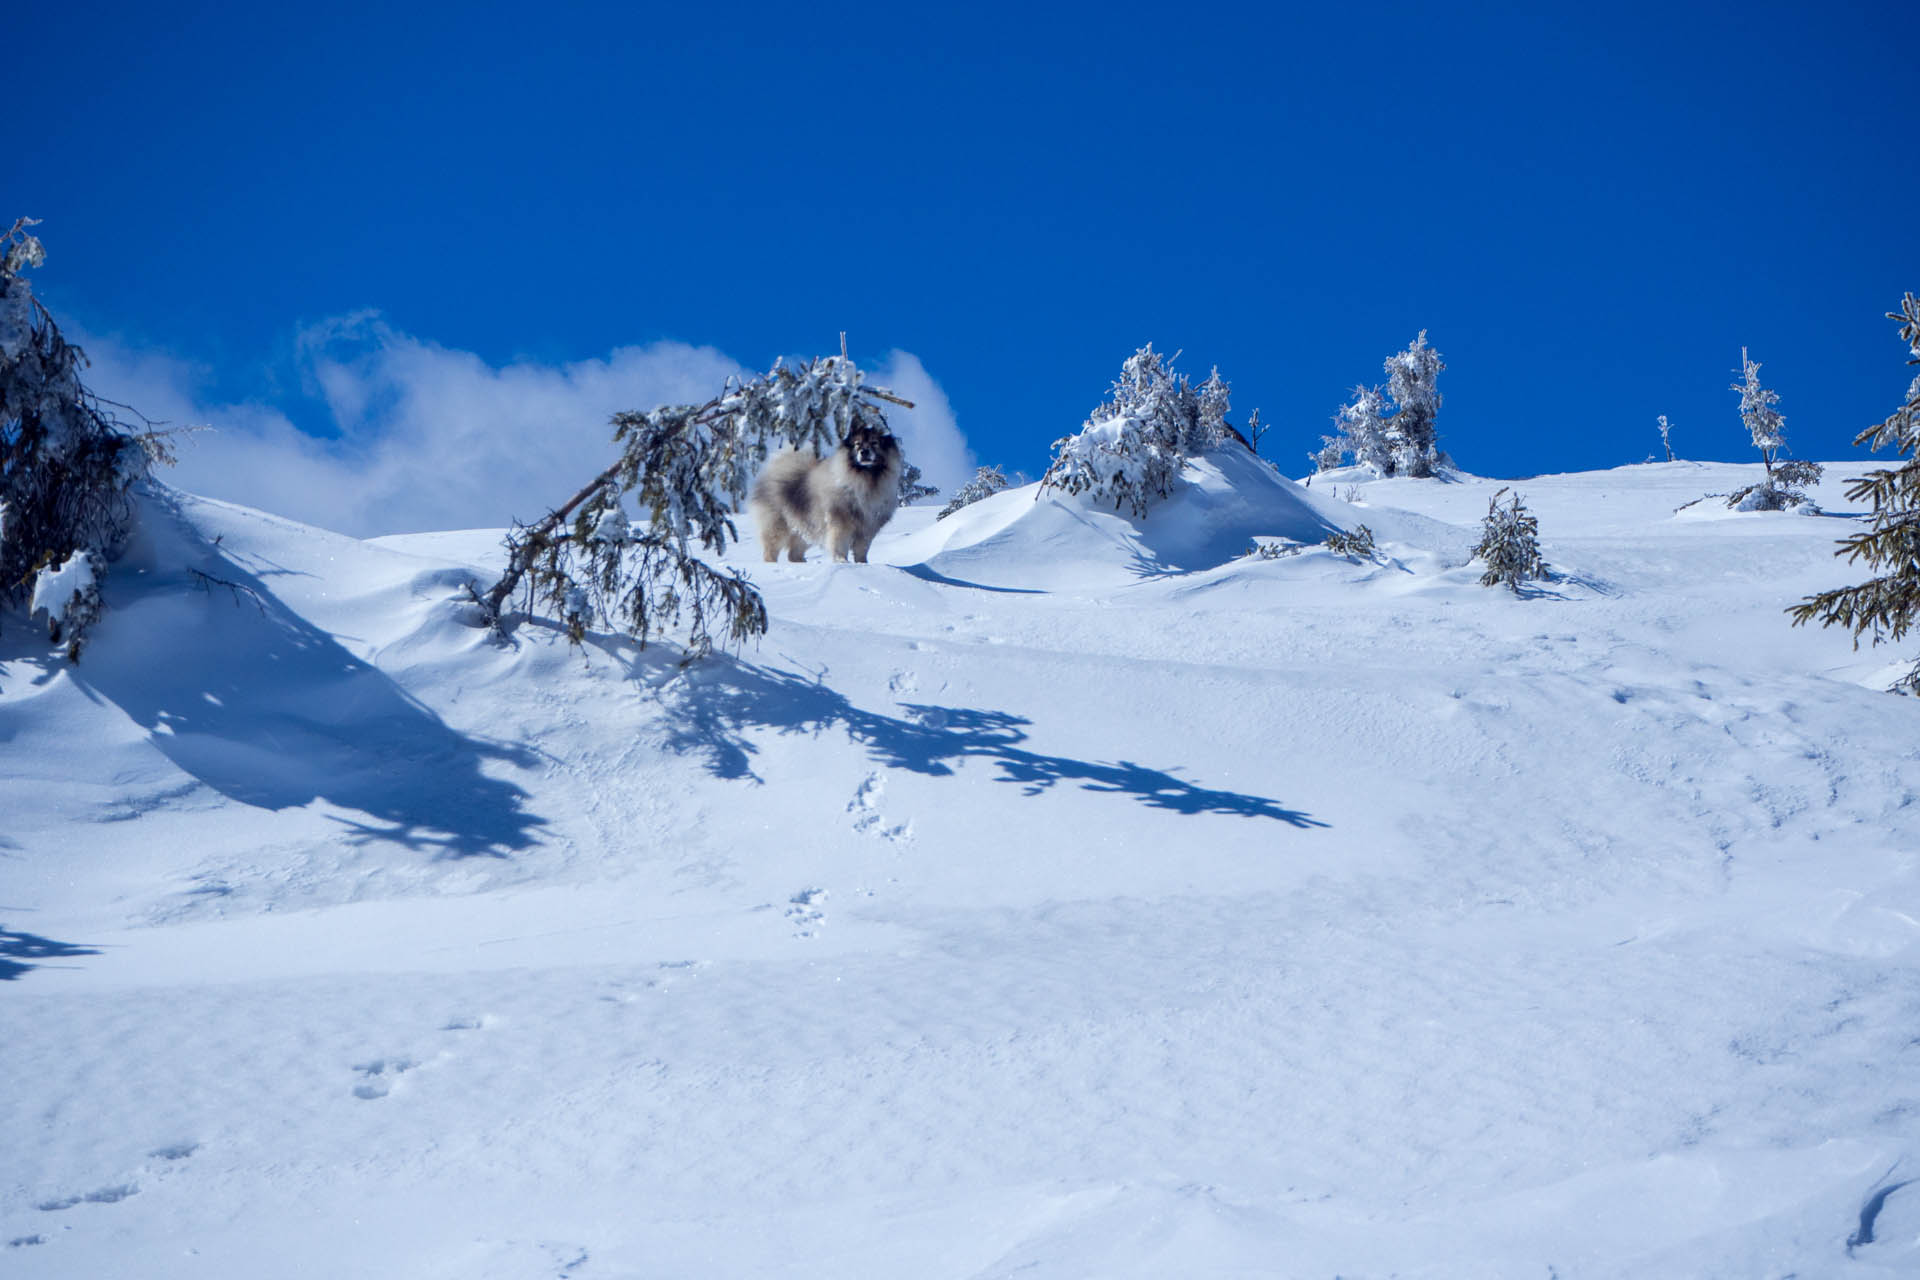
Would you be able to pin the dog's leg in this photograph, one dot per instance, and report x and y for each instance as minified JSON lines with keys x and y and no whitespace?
{"x":860,"y":546}
{"x":839,"y":538}
{"x":796,"y":548}
{"x":773,"y":532}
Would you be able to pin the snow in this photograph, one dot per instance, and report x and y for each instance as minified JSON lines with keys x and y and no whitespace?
{"x":55,"y":587}
{"x":1058,"y":895}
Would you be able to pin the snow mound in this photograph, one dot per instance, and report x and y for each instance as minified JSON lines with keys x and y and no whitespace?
{"x":1029,"y":539}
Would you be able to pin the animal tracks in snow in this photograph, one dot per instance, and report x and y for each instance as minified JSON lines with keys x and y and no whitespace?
{"x":867,"y":818}
{"x":806,"y":911}
{"x":380,"y":1076}
{"x":167,"y":1157}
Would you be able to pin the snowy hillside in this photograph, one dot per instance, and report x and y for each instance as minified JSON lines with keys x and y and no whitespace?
{"x":1059,"y":895}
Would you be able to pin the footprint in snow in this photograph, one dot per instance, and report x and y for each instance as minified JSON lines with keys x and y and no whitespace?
{"x":105,"y":1195}
{"x":867,"y":818}
{"x":806,"y":912}
{"x":379,"y":1076}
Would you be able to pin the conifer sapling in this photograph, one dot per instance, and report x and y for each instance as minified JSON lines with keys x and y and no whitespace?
{"x":986,"y":482}
{"x":1133,"y":445}
{"x":1786,"y":482}
{"x":1887,"y":605}
{"x":1509,"y":544}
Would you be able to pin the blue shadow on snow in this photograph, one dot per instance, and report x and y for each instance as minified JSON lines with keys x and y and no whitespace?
{"x":264,"y":707}
{"x":722,"y":699}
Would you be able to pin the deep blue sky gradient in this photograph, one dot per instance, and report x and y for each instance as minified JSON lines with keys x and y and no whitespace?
{"x":1589,"y":209}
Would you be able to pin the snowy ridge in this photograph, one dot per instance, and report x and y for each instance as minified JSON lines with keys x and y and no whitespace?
{"x":1059,"y":895}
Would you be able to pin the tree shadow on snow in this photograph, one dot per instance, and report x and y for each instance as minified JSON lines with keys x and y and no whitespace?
{"x":259,"y":704}
{"x":20,"y":952}
{"x":716,"y":705}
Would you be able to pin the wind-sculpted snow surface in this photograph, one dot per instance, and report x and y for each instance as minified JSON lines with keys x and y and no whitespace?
{"x":1057,"y":895}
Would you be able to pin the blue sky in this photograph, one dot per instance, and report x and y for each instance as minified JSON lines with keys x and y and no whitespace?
{"x":1590,"y":211}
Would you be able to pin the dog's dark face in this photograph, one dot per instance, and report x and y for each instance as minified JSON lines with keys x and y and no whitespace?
{"x":870,"y":450}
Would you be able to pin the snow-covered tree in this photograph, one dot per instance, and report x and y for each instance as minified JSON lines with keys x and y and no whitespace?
{"x":1888,"y":604}
{"x":1209,"y":425}
{"x":1786,"y":482}
{"x":913,"y":486}
{"x":1509,"y":544}
{"x":1665,"y":442}
{"x":67,"y":465}
{"x":1362,"y":433}
{"x":1133,"y":445}
{"x":986,"y":482}
{"x":686,"y":468}
{"x":1413,"y":381}
{"x":1403,"y":441}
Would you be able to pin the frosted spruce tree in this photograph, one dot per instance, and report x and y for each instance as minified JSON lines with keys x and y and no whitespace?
{"x":1403,"y":442}
{"x":686,"y":468}
{"x":1888,"y":604}
{"x":986,"y":482}
{"x":1413,"y":379}
{"x":1509,"y":544}
{"x":1787,"y":479}
{"x":1361,"y":433}
{"x":67,"y":465}
{"x":1133,"y":444}
{"x":1665,"y":441}
{"x":913,"y":486}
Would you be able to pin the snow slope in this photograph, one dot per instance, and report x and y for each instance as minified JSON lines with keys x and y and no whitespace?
{"x":1059,"y":895}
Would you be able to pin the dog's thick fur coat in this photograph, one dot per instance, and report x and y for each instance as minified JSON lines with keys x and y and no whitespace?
{"x":839,"y":501}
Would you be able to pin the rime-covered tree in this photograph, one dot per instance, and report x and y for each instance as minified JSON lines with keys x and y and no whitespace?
{"x":1362,"y":433}
{"x":67,"y":465}
{"x":1413,"y":381}
{"x":913,"y":486}
{"x":1403,"y":441}
{"x":686,"y":469}
{"x":986,"y":482}
{"x":1665,"y":442}
{"x":1509,"y":544}
{"x":1888,"y":604}
{"x":1133,"y":444}
{"x":1209,"y":424}
{"x":1786,"y":482}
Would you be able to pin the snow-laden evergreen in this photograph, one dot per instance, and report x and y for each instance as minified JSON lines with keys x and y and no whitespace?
{"x":1884,"y":606}
{"x":686,"y":468}
{"x":1401,"y":440}
{"x":1509,"y":544}
{"x":986,"y":482}
{"x":1413,"y":378}
{"x":1361,"y":433}
{"x":1130,"y":451}
{"x":913,"y":486}
{"x":67,"y":467}
{"x":1787,"y":480}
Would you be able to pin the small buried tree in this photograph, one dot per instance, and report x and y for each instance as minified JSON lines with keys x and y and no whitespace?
{"x":914,"y":486}
{"x":1786,"y":482}
{"x":687,"y":468}
{"x":1133,"y":445}
{"x":1886,"y":605}
{"x":1509,"y":544}
{"x":67,"y":465}
{"x":986,"y":482}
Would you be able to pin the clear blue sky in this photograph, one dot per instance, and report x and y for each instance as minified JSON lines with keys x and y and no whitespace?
{"x":1590,"y":209}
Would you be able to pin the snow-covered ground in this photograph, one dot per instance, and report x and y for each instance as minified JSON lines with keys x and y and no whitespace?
{"x":1059,"y":895}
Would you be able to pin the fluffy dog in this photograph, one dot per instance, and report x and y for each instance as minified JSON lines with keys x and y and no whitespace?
{"x":840,"y":500}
